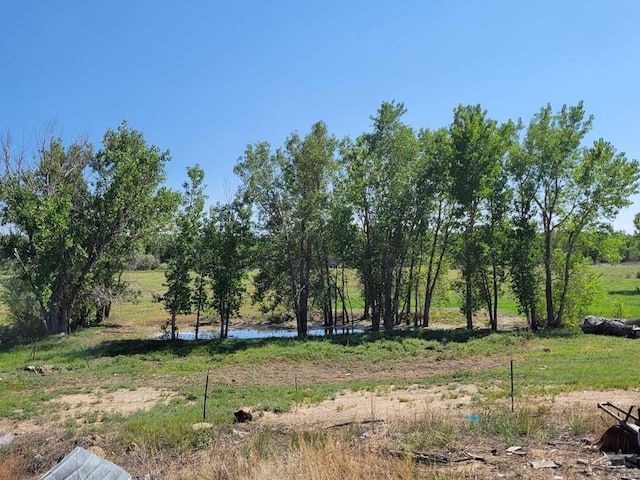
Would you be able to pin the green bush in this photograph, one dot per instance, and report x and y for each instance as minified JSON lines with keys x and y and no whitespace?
{"x":23,"y":314}
{"x":143,"y":261}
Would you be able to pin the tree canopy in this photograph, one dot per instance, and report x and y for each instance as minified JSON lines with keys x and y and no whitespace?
{"x":75,"y":214}
{"x":509,"y":206}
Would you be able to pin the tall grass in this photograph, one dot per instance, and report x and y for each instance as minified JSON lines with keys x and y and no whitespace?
{"x":302,"y":458}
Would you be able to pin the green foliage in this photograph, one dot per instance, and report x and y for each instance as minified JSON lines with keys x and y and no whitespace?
{"x":479,"y":188}
{"x":289,"y":189}
{"x":77,"y":216}
{"x":380,"y":185}
{"x":573,"y":187}
{"x":143,"y":261}
{"x":582,"y":291}
{"x":434,"y":430}
{"x":24,"y":319}
{"x":225,"y":254}
{"x":178,"y":297}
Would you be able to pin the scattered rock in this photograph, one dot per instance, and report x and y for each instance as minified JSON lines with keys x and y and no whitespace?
{"x":7,"y":439}
{"x":515,"y":450}
{"x":132,"y":448}
{"x":242,"y":416}
{"x":629,"y":460}
{"x":537,"y":464}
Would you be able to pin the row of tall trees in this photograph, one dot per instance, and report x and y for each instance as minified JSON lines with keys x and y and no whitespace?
{"x":506,"y":204}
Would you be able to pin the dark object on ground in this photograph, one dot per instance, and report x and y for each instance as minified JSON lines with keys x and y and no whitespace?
{"x":611,"y":326}
{"x":621,"y":438}
{"x":242,"y":416}
{"x":629,"y":460}
{"x":34,"y":369}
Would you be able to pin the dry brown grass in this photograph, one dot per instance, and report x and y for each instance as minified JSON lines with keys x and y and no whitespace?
{"x":308,"y":457}
{"x":9,"y":467}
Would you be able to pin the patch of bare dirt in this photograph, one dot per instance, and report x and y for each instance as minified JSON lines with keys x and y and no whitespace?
{"x":79,"y":405}
{"x":120,"y":401}
{"x":380,"y":417}
{"x":385,"y":404}
{"x":591,"y":398}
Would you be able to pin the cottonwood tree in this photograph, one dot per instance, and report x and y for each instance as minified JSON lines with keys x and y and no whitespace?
{"x":437,"y":210}
{"x":289,"y":189}
{"x":478,"y":145}
{"x":381,"y":192}
{"x":225,"y":252}
{"x":73,"y":208}
{"x":178,"y":299}
{"x":524,"y":252}
{"x":572,"y":188}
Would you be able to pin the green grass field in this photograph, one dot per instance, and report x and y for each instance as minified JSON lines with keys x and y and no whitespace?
{"x":620,"y":286}
{"x":275,"y":374}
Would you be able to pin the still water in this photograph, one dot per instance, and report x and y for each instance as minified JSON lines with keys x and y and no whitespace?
{"x":252,"y":333}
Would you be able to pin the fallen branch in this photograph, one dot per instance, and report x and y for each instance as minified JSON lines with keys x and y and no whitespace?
{"x":347,"y":424}
{"x":422,"y":457}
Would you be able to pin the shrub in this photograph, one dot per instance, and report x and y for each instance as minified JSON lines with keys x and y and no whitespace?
{"x":22,"y":309}
{"x":143,"y":261}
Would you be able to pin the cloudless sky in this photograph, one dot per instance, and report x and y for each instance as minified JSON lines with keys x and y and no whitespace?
{"x":205,"y":78}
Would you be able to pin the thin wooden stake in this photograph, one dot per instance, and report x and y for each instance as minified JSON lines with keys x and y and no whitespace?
{"x":206,"y":390}
{"x":373,"y":414}
{"x":512,"y":407}
{"x":295,"y":382}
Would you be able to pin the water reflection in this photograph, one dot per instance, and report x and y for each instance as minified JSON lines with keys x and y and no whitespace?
{"x":247,"y":333}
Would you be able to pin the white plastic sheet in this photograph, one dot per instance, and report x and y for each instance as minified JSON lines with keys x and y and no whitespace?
{"x":81,"y":464}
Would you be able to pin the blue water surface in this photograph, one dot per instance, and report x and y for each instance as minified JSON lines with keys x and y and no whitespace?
{"x":247,"y":333}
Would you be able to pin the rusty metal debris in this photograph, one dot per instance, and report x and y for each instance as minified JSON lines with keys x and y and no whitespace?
{"x":623,"y":437}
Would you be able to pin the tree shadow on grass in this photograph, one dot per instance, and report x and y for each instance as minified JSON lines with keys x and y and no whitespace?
{"x":184,"y":348}
{"x":567,"y":332}
{"x":625,"y":293}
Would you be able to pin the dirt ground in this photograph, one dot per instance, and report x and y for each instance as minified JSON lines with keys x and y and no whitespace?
{"x":376,"y":414}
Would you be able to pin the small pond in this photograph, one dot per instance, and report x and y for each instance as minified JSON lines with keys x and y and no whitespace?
{"x":247,"y":333}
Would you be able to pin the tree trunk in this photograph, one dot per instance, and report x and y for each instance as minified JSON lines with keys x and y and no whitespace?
{"x":224,"y":321}
{"x":375,"y":317}
{"x":57,"y":319}
{"x":428,"y":296}
{"x":548,"y":287}
{"x":304,"y":275}
{"x":494,"y":325}
{"x":388,"y":286}
{"x":173,"y":324}
{"x":469,"y":301}
{"x":534,"y":318}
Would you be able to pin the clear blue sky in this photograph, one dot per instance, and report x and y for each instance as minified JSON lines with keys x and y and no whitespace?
{"x":206,"y":78}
